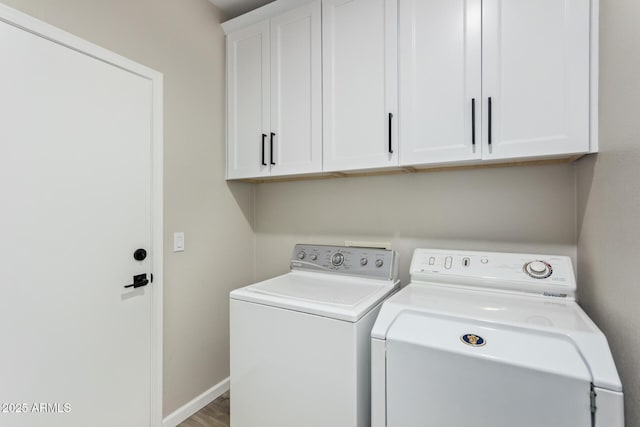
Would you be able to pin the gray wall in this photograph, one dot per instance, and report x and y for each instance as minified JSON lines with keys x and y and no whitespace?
{"x":519,"y":209}
{"x":609,"y":200}
{"x":183,"y":40}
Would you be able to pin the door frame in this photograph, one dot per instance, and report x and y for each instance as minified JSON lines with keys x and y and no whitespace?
{"x":41,"y":29}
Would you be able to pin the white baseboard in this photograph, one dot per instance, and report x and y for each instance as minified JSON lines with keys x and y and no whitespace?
{"x":190,"y":408}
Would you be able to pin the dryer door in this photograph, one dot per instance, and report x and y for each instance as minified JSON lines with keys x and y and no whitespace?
{"x":448,"y":372}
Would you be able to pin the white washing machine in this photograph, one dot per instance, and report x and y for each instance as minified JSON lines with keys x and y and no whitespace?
{"x":300,"y":342}
{"x":491,"y":340}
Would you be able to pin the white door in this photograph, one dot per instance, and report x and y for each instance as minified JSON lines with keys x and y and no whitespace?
{"x":296,"y":91}
{"x":248,"y":123}
{"x":75,"y":182}
{"x":535,"y":77}
{"x":360,"y":84}
{"x":440,"y":81}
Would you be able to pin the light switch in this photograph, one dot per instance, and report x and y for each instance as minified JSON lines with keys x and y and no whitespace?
{"x":178,"y":241}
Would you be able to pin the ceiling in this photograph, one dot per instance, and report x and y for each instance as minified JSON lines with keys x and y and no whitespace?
{"x":233,"y":8}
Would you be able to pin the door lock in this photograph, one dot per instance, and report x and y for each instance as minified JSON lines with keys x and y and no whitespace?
{"x":139,"y":280}
{"x":140,"y":254}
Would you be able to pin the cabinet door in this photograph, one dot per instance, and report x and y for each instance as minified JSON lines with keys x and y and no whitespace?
{"x":440,"y":80}
{"x":360,"y":84}
{"x":296,"y":91}
{"x":248,"y":101}
{"x":536,"y":77}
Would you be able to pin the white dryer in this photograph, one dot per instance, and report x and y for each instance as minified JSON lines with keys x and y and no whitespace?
{"x":300,"y":342}
{"x":491,"y":340}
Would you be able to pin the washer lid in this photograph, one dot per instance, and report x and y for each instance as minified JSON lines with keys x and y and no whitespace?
{"x":337,"y":297}
{"x":532,"y":316}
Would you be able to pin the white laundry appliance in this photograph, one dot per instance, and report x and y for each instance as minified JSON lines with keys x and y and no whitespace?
{"x":300,"y":342}
{"x":491,"y":340}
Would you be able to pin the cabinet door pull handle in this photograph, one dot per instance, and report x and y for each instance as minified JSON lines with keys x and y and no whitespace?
{"x":390,"y":133}
{"x":490,"y":125}
{"x":264,"y":136}
{"x":473,"y":121}
{"x":272,"y":135}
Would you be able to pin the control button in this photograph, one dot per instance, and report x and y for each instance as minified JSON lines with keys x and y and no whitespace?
{"x":301,"y":255}
{"x":313,"y":257}
{"x":538,"y":269}
{"x":432,"y":260}
{"x":484,"y":260}
{"x":337,"y":259}
{"x":447,"y":262}
{"x":379,"y":263}
{"x":466,"y":262}
{"x":363,"y":261}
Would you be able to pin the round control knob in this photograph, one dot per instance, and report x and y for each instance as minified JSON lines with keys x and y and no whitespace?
{"x":379,"y":263}
{"x":313,"y":257}
{"x":337,"y":259}
{"x":538,"y":269}
{"x":363,"y":261}
{"x":301,"y":255}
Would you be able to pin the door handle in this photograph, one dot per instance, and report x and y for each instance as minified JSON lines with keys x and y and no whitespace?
{"x":264,"y":136}
{"x":489,"y":129}
{"x":390,"y":134}
{"x":272,"y":135}
{"x":473,"y":121}
{"x":139,"y":280}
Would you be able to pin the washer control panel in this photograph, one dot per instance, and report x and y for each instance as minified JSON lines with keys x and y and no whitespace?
{"x":365,"y":262}
{"x":549,"y":275}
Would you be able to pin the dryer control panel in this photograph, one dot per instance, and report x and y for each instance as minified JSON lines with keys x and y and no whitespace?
{"x":548,"y":275}
{"x":364,"y":262}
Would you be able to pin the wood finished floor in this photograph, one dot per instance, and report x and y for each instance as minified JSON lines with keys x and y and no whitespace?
{"x":215,"y":414}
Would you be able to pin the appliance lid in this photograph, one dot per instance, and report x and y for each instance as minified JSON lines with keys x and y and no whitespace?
{"x":335,"y":296}
{"x":536,"y":318}
{"x":316,"y":288}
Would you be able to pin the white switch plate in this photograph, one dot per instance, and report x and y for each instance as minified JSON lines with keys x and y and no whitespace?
{"x":178,"y":241}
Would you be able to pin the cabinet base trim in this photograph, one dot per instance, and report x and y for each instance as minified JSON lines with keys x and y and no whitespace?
{"x":410,"y":169}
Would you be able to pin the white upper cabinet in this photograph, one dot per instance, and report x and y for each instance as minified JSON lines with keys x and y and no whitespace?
{"x":360,"y":84}
{"x":351,"y":85}
{"x":440,"y":81}
{"x":275,"y":96}
{"x":493,"y":79}
{"x":536,"y":77}
{"x":296,"y":91}
{"x":248,"y":101}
